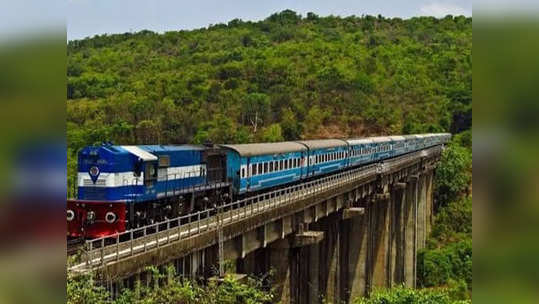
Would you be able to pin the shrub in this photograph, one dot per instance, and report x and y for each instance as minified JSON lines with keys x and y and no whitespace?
{"x":437,"y":267}
{"x":401,"y":295}
{"x":452,"y":223}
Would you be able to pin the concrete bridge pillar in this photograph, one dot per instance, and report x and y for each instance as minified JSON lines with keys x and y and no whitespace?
{"x":279,"y":259}
{"x":355,"y":235}
{"x":410,"y":227}
{"x":422,"y":212}
{"x":398,"y":201}
{"x":295,"y":261}
{"x":379,"y":236}
{"x":430,"y":200}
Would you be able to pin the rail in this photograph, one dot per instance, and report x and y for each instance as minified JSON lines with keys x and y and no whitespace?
{"x":107,"y":249}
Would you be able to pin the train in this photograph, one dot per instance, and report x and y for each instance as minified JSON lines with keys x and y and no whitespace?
{"x":124,"y":187}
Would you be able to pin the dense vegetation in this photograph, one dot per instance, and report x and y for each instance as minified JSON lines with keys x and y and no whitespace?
{"x":448,"y":256}
{"x":168,"y":288}
{"x":283,"y":78}
{"x":401,"y":295}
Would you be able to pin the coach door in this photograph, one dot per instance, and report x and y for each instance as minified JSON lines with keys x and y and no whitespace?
{"x":304,"y":164}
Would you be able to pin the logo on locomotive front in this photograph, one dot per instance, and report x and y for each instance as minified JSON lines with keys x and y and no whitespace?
{"x":94,"y":173}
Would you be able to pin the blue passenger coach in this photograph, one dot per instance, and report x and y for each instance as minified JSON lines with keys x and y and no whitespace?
{"x":253,"y":167}
{"x":360,"y":151}
{"x":397,"y":145}
{"x":326,"y":155}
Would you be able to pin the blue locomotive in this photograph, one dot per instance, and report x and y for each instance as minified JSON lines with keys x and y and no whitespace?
{"x":120,"y":187}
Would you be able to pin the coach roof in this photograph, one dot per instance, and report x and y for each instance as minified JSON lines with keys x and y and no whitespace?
{"x":266,"y":148}
{"x":323,"y":143}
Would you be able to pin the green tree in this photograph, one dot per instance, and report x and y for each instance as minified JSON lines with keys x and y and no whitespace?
{"x":453,"y":175}
{"x":272,"y":133}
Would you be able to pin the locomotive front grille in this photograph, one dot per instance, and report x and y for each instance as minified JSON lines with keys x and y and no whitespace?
{"x":95,"y":194}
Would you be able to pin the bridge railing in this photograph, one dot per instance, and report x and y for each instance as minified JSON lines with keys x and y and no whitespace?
{"x":110,"y":248}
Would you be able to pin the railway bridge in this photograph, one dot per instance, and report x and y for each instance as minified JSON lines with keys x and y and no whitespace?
{"x":334,"y":238}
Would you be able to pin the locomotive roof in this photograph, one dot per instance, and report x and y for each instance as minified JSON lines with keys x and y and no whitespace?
{"x":266,"y":148}
{"x":142,"y":154}
{"x":323,"y":143}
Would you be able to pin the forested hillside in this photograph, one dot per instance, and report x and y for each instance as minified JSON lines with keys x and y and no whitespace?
{"x":283,"y":78}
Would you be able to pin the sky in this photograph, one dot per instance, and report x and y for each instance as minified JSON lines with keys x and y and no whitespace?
{"x":86,"y":18}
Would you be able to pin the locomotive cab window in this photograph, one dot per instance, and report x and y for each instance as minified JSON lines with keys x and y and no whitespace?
{"x":150,"y":173}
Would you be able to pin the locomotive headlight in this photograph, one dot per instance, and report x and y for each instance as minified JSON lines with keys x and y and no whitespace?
{"x":90,"y":216}
{"x":70,"y":215}
{"x":110,"y":217}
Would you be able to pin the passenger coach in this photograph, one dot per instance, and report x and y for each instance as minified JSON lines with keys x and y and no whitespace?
{"x":253,"y":167}
{"x":325,"y":155}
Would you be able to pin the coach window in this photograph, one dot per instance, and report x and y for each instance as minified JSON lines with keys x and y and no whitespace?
{"x":242,"y":172}
{"x":254,"y":169}
{"x":270,"y":167}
